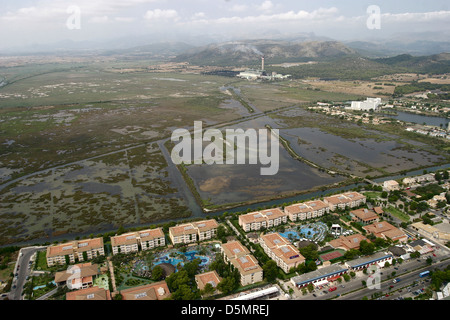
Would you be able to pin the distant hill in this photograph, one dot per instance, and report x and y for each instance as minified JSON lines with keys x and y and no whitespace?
{"x":386,"y":48}
{"x":356,"y":67}
{"x":162,"y":49}
{"x":438,"y":63}
{"x":239,"y":53}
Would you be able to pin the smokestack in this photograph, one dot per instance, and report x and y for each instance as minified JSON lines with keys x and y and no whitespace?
{"x":262,"y":63}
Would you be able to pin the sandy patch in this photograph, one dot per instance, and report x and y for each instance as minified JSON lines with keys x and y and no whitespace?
{"x":215,"y":185}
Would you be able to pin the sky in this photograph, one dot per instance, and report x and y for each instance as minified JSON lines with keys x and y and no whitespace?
{"x":28,"y":22}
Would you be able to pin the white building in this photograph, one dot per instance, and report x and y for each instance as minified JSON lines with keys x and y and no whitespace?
{"x":369,"y":104}
{"x":391,"y":185}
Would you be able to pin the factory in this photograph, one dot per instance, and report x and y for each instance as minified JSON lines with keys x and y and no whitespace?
{"x":255,"y":74}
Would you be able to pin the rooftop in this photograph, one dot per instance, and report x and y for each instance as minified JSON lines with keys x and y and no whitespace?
{"x":154,"y":291}
{"x":319,"y":274}
{"x":369,"y":259}
{"x":93,"y":293}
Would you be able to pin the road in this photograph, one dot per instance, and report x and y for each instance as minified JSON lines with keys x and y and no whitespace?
{"x":353,"y":290}
{"x":406,"y":280}
{"x":23,"y":270}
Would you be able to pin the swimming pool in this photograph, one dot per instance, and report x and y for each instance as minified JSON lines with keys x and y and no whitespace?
{"x":43,"y":286}
{"x":190,"y":256}
{"x":315,"y":231}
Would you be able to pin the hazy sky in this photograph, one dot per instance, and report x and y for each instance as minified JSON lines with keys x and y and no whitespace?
{"x":24,"y":22}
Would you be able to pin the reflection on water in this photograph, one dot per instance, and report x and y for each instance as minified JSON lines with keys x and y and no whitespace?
{"x":420,"y":119}
{"x":226,"y":184}
{"x":329,"y":150}
{"x":93,"y":187}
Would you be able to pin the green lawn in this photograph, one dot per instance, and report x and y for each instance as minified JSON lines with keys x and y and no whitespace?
{"x":372,"y":194}
{"x":397,"y":213}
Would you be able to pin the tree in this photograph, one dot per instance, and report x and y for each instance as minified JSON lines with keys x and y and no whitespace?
{"x":227,"y":285}
{"x":208,"y":290}
{"x":270,"y":270}
{"x":438,"y":176}
{"x":366,"y":248}
{"x":445,"y":175}
{"x":219,"y":265}
{"x":222,"y":233}
{"x":351,"y":254}
{"x":311,"y":266}
{"x":192,"y":267}
{"x":176,"y":280}
{"x":184,"y":292}
{"x":157,"y":273}
{"x":310,"y":287}
{"x":346,"y":277}
{"x":309,"y":252}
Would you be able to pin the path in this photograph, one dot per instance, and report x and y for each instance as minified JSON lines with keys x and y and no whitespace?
{"x":113,"y":279}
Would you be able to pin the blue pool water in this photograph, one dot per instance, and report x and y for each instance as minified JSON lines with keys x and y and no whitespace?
{"x":190,"y":256}
{"x":43,"y":286}
{"x":297,"y":235}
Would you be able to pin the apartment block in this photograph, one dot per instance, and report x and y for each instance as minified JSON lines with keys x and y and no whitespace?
{"x":281,"y":251}
{"x":239,"y":256}
{"x":193,"y":232}
{"x":130,"y":242}
{"x":345,"y":200}
{"x":262,"y":219}
{"x":75,"y":251}
{"x":307,"y":210}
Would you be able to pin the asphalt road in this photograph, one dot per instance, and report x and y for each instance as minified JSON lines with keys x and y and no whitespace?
{"x":408,"y":271}
{"x":23,"y":270}
{"x":406,"y":280}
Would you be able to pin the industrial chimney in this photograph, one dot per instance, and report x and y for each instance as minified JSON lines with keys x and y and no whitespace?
{"x":262,"y":64}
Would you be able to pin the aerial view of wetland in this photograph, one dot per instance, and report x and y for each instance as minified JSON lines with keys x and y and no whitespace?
{"x":84,"y":145}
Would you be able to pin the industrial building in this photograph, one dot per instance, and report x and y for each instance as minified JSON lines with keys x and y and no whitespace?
{"x":260,"y":74}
